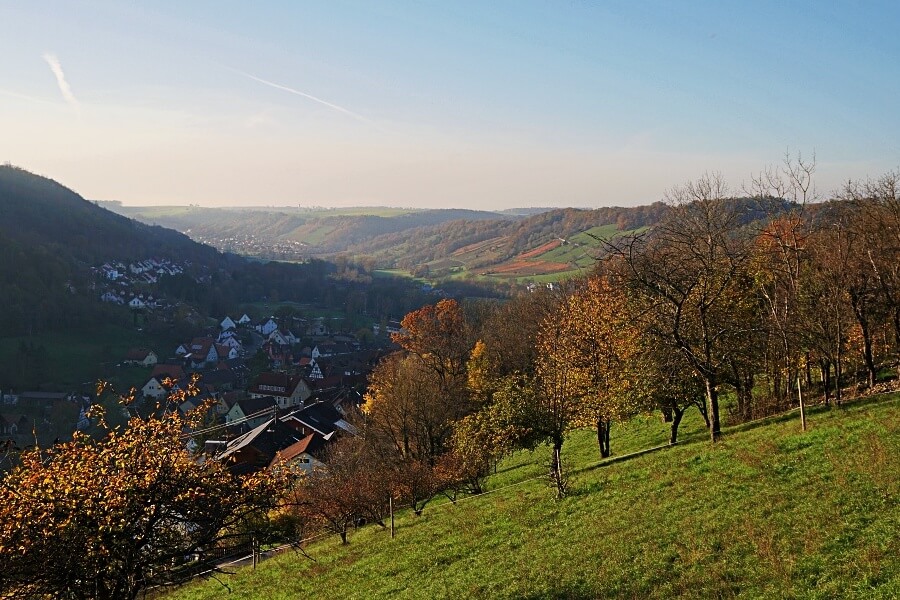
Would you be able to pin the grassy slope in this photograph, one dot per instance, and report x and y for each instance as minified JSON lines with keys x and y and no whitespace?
{"x":768,"y":512}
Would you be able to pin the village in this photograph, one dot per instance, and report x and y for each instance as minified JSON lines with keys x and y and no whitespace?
{"x":271,"y":395}
{"x":280,"y":388}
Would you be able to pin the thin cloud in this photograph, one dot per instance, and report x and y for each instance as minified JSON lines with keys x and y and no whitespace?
{"x":291,"y":90}
{"x":64,"y":88}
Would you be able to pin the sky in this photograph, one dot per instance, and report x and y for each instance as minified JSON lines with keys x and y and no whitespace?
{"x":484,"y":105}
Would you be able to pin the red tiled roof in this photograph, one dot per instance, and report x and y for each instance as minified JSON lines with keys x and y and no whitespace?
{"x":173,"y":371}
{"x":309,"y":444}
{"x":137,"y":354}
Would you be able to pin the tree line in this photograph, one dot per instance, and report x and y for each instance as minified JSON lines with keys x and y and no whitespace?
{"x":755,"y":298}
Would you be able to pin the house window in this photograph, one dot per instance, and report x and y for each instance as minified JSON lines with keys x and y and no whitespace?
{"x":304,"y":461}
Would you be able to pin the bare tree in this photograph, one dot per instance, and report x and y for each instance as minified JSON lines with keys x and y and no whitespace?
{"x":690,"y":272}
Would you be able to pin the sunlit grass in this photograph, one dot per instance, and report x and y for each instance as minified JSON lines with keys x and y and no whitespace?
{"x":768,"y":512}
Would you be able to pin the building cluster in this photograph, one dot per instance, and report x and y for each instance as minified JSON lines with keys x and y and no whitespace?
{"x":291,"y":411}
{"x":132,"y":284}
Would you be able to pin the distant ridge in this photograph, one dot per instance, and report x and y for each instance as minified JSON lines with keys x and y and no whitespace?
{"x":38,"y":211}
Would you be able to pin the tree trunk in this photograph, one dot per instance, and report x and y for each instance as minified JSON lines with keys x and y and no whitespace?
{"x":556,"y":474}
{"x":712,"y":399}
{"x":603,"y":427}
{"x":826,"y":381}
{"x":809,"y":380}
{"x":701,"y":406}
{"x":871,"y":371}
{"x":343,"y":534}
{"x":676,"y":420}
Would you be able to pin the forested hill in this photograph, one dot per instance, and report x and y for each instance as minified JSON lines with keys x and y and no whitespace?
{"x":509,"y":237}
{"x":40,"y":214}
{"x":441,"y":242}
{"x":50,"y":237}
{"x":320,"y":231}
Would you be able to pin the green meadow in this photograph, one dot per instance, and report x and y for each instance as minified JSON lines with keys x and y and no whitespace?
{"x":768,"y":512}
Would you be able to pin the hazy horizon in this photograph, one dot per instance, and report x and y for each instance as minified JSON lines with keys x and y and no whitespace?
{"x":474,"y":105}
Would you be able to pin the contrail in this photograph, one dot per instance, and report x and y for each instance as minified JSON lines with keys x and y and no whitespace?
{"x":68,"y":96}
{"x":285,"y":88}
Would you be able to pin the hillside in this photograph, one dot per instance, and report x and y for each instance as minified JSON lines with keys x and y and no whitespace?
{"x":405,"y":239}
{"x":317,"y":231}
{"x":769,"y":512}
{"x":50,"y":237}
{"x":511,"y":246}
{"x":39,"y":212}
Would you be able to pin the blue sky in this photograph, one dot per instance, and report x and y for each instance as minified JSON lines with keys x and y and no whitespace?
{"x":439,"y":104}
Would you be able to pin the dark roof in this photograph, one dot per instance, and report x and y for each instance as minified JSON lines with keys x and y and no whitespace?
{"x":254,"y":405}
{"x":137,"y":354}
{"x":219,"y":377}
{"x":280,"y":380}
{"x":266,"y":440}
{"x":321,"y":417}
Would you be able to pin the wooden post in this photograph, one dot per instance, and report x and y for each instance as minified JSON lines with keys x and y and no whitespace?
{"x":391,"y":509}
{"x":802,"y":411}
{"x":253,"y":551}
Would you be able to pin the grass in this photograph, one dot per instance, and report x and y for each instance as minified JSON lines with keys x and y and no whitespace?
{"x":74,"y":358}
{"x":769,"y":512}
{"x":582,"y":248}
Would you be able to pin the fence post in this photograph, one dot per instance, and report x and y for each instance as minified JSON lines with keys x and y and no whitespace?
{"x":391,"y":508}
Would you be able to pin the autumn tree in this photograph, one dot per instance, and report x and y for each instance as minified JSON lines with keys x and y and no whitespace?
{"x":352,"y":484}
{"x":876,"y":221}
{"x":440,"y":336}
{"x":105,"y":518}
{"x":780,"y":260}
{"x":670,"y":385}
{"x":597,"y":341}
{"x":689,"y":273}
{"x":510,"y":332}
{"x":407,"y":411}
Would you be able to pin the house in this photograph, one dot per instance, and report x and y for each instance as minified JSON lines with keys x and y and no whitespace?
{"x":288,"y":390}
{"x":268,"y":326}
{"x":317,"y":328}
{"x":250,"y":412}
{"x":17,"y":424}
{"x":256,"y":449}
{"x":227,"y":324}
{"x":171,"y":371}
{"x":315,"y":371}
{"x":141,"y":357}
{"x":281,"y":338}
{"x":112,"y":297}
{"x":244,"y":320}
{"x":227,"y":351}
{"x":203,"y":351}
{"x":232,"y":342}
{"x":137,"y":303}
{"x":158,"y":387}
{"x":305,"y":454}
{"x":322,"y":418}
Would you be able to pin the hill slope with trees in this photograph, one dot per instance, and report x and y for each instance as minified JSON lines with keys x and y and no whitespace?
{"x":768,"y":513}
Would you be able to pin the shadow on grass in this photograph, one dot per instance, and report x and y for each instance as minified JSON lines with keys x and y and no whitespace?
{"x":625,"y":457}
{"x":811,"y":411}
{"x":573,"y":592}
{"x":512,"y":468}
